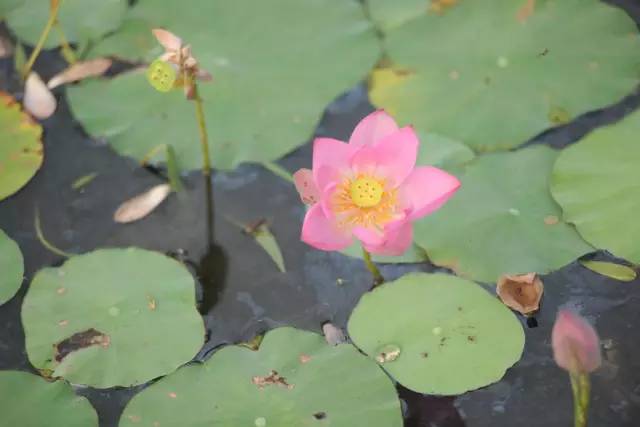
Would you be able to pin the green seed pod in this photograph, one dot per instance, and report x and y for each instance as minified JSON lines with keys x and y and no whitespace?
{"x":161,"y":75}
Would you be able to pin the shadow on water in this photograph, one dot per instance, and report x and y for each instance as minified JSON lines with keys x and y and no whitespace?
{"x":212,"y":268}
{"x":429,"y":411}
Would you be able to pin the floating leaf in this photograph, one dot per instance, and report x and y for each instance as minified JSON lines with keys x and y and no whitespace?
{"x":436,"y":333}
{"x":497,"y":91}
{"x":498,"y":223}
{"x":257,"y":51}
{"x":268,"y":242}
{"x":81,"y":20}
{"x":11,"y":268}
{"x":142,"y":205}
{"x":20,"y":147}
{"x":521,"y":292}
{"x":80,"y":71}
{"x":388,"y":14}
{"x":443,"y":152}
{"x":612,"y":270}
{"x":30,"y":401}
{"x":596,"y":183}
{"x":38,"y":99}
{"x":263,"y":236}
{"x":294,"y":379}
{"x":91,"y":321}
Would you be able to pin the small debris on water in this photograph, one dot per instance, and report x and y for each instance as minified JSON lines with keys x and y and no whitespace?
{"x":320,"y":415}
{"x":260,"y":422}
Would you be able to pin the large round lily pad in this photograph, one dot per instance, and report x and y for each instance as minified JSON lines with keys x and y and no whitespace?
{"x":502,"y":220}
{"x":276,"y":65}
{"x":436,"y":333}
{"x":597,"y":184}
{"x":294,"y":379}
{"x":20,"y":146}
{"x":30,"y":401}
{"x":493,"y":76}
{"x":11,"y":268}
{"x":81,"y":20}
{"x":112,"y":317}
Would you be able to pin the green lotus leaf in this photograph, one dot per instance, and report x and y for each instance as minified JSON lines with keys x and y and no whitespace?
{"x":388,"y":14}
{"x":596,"y":183}
{"x":294,"y":379}
{"x":11,"y":268}
{"x":20,"y":146}
{"x":112,"y":317}
{"x":502,"y":220}
{"x":482,"y":74}
{"x":612,"y":270}
{"x":276,"y":65}
{"x":436,"y":333}
{"x":30,"y":401}
{"x":80,"y":20}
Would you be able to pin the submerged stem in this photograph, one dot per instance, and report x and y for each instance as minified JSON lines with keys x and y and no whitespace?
{"x":202,"y":127}
{"x":53,"y":16}
{"x":581,"y":389}
{"x":377,"y":276}
{"x":44,"y":241}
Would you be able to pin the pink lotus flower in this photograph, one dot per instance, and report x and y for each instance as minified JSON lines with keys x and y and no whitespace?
{"x":369,"y":188}
{"x":575,"y":343}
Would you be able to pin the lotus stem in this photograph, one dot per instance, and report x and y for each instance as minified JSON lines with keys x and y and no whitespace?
{"x":53,"y":17}
{"x":202,"y":127}
{"x":378,"y":279}
{"x":66,"y":49}
{"x":581,"y":388}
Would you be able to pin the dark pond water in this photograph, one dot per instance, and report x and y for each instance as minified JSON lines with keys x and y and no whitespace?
{"x":242,"y":293}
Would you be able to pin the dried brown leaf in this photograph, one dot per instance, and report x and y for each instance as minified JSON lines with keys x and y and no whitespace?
{"x":141,"y":205}
{"x":80,"y":71}
{"x":521,"y":292}
{"x":38,"y":99}
{"x":526,"y":11}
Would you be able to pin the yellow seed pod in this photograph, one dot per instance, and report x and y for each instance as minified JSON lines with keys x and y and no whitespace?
{"x":161,"y":75}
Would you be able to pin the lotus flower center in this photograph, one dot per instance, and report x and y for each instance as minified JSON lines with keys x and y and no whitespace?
{"x":366,"y":192}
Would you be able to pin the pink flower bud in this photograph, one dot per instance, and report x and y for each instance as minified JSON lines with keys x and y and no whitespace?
{"x":575,"y":343}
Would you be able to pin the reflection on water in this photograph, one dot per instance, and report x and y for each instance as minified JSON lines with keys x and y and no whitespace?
{"x":212,"y":267}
